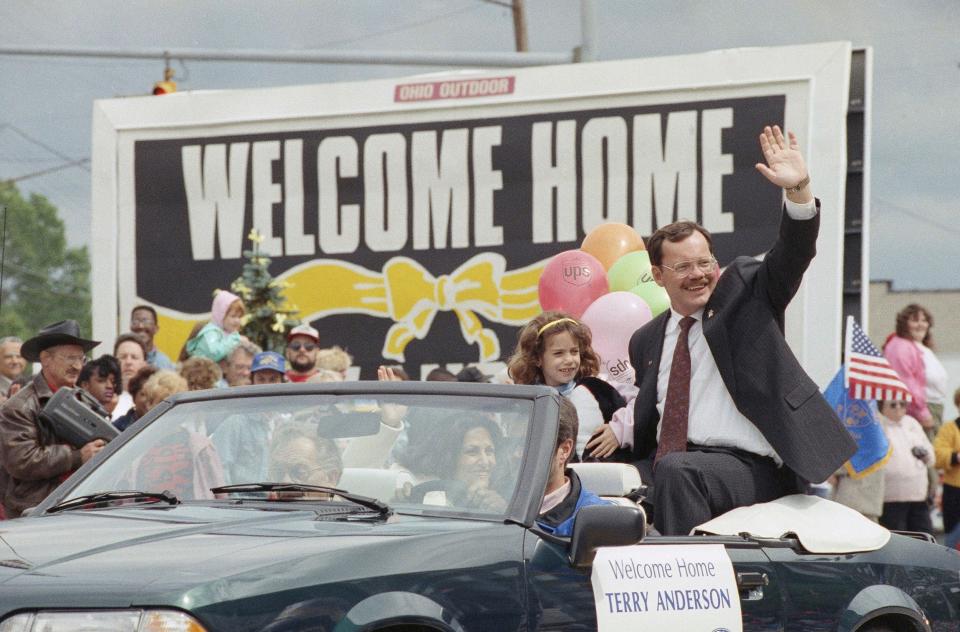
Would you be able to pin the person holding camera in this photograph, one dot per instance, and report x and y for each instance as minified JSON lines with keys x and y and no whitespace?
{"x":35,"y":459}
{"x":905,"y":480}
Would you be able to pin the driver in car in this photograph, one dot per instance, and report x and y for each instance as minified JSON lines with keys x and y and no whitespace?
{"x":461,"y":472}
{"x":564,"y":495}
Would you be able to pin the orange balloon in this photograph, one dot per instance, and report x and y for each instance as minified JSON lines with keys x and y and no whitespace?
{"x":609,"y":242}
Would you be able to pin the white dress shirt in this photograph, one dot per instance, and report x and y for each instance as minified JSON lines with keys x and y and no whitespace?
{"x":714,"y":419}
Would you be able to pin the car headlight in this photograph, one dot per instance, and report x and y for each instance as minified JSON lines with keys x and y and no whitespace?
{"x":102,"y":621}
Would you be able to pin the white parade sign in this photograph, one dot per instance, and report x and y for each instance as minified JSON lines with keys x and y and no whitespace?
{"x":654,"y":587}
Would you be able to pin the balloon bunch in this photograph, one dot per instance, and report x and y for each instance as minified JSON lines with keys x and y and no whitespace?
{"x":608,"y":285}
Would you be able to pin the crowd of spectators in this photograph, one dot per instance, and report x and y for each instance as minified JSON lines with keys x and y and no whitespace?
{"x":922,"y":472}
{"x":125,"y":384}
{"x":917,"y":487}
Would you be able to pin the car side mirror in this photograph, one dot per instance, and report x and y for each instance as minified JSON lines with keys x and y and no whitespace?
{"x":604,"y":525}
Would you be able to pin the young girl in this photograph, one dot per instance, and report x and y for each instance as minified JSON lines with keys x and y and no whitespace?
{"x":555,"y":349}
{"x":221,"y":335}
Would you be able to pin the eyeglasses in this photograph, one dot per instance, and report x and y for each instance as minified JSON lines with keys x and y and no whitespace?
{"x":685,"y":268}
{"x":141,"y":321}
{"x":71,"y":359}
{"x":297,"y":346}
{"x":297,"y":471}
{"x":897,"y":404}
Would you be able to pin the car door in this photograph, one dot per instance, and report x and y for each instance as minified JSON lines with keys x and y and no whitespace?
{"x":561,"y":597}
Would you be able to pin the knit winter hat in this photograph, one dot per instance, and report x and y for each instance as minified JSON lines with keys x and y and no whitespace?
{"x":221,"y":305}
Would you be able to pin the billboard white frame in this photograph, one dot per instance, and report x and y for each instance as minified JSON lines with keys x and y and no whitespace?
{"x":813,"y":77}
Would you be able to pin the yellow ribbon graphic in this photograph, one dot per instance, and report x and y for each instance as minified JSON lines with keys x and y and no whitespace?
{"x":408,"y":294}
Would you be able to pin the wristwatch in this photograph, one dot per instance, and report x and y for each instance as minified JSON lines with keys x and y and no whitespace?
{"x":799,"y":186}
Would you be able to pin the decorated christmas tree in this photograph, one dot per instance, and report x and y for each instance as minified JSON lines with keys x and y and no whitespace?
{"x":268,"y":317}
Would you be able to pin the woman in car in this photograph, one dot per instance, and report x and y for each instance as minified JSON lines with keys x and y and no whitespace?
{"x":462,"y":467}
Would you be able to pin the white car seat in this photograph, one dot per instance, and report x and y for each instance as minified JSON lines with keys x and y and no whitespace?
{"x":373,"y":482}
{"x":610,"y":481}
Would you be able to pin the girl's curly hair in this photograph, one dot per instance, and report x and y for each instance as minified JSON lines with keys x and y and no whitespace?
{"x":524,"y":364}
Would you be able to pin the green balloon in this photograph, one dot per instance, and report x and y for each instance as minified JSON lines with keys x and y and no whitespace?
{"x":654,"y":296}
{"x":629,"y":271}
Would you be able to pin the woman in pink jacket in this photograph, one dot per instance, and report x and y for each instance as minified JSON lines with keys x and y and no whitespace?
{"x":910,"y":351}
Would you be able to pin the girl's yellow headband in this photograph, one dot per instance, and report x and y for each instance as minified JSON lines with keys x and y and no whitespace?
{"x":555,"y":322}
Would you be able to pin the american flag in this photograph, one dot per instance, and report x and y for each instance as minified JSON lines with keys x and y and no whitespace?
{"x":868,"y":374}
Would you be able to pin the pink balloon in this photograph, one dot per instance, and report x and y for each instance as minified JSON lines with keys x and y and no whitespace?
{"x":612,"y":319}
{"x":571,"y":281}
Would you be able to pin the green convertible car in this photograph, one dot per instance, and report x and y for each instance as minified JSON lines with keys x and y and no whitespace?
{"x":413,"y":506}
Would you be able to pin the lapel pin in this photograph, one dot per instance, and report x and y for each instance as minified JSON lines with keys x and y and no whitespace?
{"x":710,"y":313}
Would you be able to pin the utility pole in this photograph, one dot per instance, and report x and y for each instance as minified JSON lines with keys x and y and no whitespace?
{"x":519,"y":26}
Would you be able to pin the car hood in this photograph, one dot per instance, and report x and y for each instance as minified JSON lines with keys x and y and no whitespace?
{"x":158,"y":556}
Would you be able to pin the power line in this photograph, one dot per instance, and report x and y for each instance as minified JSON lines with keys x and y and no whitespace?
{"x":81,"y":162}
{"x":16,"y":130}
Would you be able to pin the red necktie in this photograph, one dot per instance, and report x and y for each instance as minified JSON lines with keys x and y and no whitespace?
{"x":673,"y":426}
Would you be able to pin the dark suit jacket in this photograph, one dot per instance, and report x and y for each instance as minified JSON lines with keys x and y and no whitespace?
{"x":743,"y":325}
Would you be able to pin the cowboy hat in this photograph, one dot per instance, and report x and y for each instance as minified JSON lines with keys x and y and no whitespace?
{"x":65,"y":332}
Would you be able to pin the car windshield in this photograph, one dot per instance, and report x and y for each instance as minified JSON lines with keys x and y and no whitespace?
{"x":415,"y":453}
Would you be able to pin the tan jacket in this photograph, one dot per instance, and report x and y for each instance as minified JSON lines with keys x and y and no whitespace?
{"x":33,"y":457}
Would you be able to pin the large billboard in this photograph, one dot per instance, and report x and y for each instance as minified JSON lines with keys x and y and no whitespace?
{"x":412,"y":217}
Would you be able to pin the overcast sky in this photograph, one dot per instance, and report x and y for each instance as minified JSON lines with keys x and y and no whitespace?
{"x":45,"y":103}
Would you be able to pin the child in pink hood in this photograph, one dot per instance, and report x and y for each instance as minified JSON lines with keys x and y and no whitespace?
{"x":221,"y":335}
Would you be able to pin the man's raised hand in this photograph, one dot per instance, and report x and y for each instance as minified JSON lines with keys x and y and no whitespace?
{"x":785,"y":166}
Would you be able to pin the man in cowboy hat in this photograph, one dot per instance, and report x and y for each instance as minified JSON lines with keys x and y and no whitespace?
{"x":33,"y":457}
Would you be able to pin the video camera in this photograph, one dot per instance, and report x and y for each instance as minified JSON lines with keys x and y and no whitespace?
{"x":77,"y":418}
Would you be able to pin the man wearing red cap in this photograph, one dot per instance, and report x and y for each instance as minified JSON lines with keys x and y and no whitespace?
{"x":35,"y":459}
{"x":303,"y":344}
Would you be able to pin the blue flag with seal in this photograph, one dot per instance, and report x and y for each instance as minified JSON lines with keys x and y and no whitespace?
{"x":860,"y":418}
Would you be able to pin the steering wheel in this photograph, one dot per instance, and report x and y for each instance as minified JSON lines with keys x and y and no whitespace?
{"x":456,"y":491}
